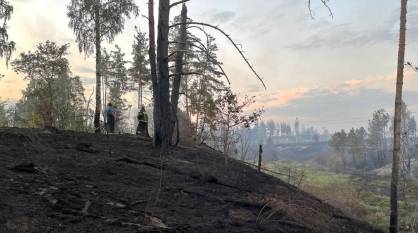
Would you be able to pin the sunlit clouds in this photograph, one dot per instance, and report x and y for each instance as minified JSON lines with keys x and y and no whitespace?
{"x":305,"y":63}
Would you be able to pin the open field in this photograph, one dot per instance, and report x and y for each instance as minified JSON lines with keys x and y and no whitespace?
{"x":360,"y":195}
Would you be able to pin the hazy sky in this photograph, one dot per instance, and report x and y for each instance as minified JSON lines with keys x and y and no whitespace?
{"x":325,"y":71}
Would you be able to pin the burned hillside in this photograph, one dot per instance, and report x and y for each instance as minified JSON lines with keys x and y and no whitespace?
{"x":56,"y":181}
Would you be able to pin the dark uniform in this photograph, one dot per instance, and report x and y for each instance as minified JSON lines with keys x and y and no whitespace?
{"x":142,"y":128}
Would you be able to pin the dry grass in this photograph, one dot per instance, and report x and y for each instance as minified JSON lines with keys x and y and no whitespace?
{"x":342,"y":196}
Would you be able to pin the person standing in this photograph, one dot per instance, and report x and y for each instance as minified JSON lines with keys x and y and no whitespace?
{"x":142,"y":128}
{"x":111,"y":118}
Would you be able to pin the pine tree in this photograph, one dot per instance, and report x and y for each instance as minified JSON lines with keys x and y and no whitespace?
{"x":6,"y":46}
{"x":94,"y":21}
{"x":52,"y":98}
{"x":139,"y":73}
{"x":118,"y":83}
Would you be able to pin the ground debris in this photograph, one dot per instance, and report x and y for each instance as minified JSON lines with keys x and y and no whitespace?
{"x":86,"y":207}
{"x":87,"y":147}
{"x":28,"y":167}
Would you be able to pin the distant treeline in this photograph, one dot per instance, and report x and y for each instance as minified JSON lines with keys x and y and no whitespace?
{"x":371,"y":148}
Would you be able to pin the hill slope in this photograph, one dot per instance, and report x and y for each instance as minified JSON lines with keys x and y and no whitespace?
{"x":73,"y":182}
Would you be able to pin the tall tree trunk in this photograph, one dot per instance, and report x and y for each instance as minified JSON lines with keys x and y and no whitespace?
{"x":98,"y":70}
{"x":226,"y":142}
{"x":175,"y":91}
{"x":154,"y":76}
{"x":140,"y":91}
{"x":105,"y":91}
{"x":198,"y":111}
{"x":163,"y":73}
{"x":186,"y":96}
{"x":397,"y":122}
{"x":104,"y":95}
{"x":196,"y":128}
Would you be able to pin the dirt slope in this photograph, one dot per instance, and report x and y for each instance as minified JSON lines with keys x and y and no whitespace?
{"x":72,"y":182}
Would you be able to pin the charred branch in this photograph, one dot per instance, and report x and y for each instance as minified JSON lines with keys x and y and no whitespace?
{"x":233,"y":43}
{"x":185,"y":73}
{"x":178,"y":3}
{"x":325,"y":3}
{"x":203,"y":48}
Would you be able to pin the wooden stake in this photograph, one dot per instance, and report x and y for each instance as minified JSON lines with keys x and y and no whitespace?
{"x":260,"y":156}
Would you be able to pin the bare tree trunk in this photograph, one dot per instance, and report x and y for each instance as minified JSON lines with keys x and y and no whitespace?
{"x":163,"y":74}
{"x":98,"y":70}
{"x":397,"y":122}
{"x":140,"y":91}
{"x":196,"y":128}
{"x":105,"y":91}
{"x":104,"y":94}
{"x":175,"y":92}
{"x":154,"y":77}
{"x":186,"y":96}
{"x":226,"y":141}
{"x":199,"y":109}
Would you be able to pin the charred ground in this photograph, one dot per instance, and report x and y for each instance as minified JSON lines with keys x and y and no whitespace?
{"x":53,"y":181}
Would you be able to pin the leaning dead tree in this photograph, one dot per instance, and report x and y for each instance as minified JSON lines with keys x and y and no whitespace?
{"x":164,"y":115}
{"x":175,"y":91}
{"x":154,"y":77}
{"x":397,"y":122}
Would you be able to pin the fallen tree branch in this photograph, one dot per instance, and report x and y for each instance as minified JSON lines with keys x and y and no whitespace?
{"x":134,"y":161}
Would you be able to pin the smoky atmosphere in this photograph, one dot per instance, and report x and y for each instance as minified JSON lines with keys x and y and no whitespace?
{"x":284,"y":116}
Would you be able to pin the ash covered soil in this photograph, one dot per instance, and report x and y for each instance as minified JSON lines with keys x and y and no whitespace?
{"x":54,"y":181}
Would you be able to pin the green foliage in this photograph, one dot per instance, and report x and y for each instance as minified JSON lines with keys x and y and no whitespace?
{"x":339,"y":142}
{"x":356,"y":143}
{"x":361,"y":196}
{"x":377,"y":134}
{"x":93,"y":21}
{"x":230,"y":117}
{"x":4,"y":115}
{"x":43,"y":65}
{"x":6,"y":46}
{"x":203,"y":88}
{"x":116,"y":80}
{"x":52,"y":97}
{"x":112,"y":14}
{"x":369,"y":149}
{"x":140,"y":71}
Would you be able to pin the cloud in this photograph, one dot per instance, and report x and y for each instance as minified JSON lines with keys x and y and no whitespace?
{"x":351,"y":87}
{"x":336,"y":111}
{"x":345,"y":35}
{"x":280,"y":98}
{"x":358,"y":34}
{"x":270,"y":15}
{"x":348,"y":104}
{"x":384,"y":82}
{"x":218,"y":16}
